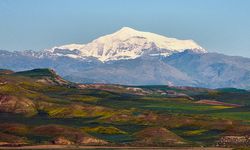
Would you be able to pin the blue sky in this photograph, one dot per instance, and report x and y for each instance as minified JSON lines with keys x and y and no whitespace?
{"x":218,"y":25}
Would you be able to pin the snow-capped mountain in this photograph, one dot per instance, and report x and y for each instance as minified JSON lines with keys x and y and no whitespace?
{"x":133,"y":57}
{"x":127,"y":43}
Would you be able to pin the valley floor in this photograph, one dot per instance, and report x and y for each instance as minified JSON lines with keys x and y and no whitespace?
{"x":108,"y":147}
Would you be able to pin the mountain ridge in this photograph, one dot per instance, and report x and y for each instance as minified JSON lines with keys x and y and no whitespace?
{"x":137,"y":65}
{"x":127,"y":43}
{"x":210,"y":70}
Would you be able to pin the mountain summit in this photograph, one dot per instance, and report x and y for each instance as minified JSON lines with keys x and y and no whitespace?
{"x":132,"y":57}
{"x":127,"y":43}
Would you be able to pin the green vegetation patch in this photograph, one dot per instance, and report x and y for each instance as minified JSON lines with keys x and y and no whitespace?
{"x":195,"y":132}
{"x":103,"y":130}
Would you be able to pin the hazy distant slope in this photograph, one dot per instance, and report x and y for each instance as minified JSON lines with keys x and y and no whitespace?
{"x":213,"y":70}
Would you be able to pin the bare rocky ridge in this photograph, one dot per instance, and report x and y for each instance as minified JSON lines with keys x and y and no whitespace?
{"x":240,"y":141}
{"x":62,"y":141}
{"x":158,"y":136}
{"x":17,"y":105}
{"x":91,"y":141}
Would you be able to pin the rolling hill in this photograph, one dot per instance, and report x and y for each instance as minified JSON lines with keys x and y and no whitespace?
{"x":40,"y":107}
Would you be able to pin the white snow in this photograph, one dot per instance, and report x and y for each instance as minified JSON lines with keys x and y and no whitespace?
{"x":128,"y":43}
{"x":68,"y":47}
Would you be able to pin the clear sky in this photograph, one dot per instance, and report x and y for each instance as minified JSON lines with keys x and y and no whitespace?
{"x":218,"y":25}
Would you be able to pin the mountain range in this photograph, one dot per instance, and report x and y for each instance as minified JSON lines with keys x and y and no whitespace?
{"x":132,"y":57}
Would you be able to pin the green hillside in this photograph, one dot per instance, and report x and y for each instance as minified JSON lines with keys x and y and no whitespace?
{"x":39,"y":107}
